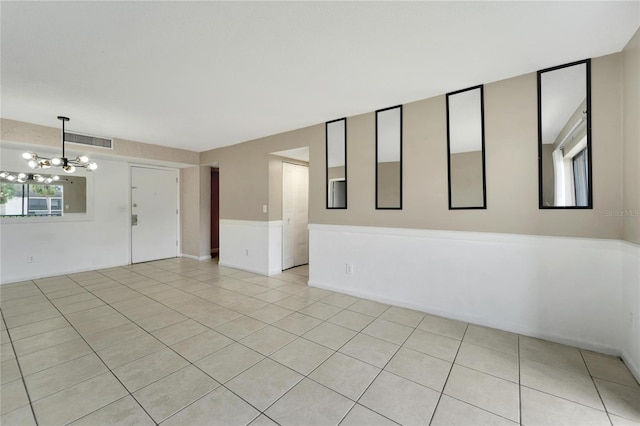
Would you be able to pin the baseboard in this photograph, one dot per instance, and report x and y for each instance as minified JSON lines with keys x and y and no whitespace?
{"x":241,"y":268}
{"x":65,"y":272}
{"x":275,"y":271}
{"x":471,"y":319}
{"x":633,"y":367}
{"x":199,"y":258}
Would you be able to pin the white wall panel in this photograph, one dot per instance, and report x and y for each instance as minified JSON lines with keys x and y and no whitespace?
{"x":275,"y":247}
{"x":568,"y":290}
{"x":631,"y":307}
{"x":75,"y":242}
{"x":253,"y":246}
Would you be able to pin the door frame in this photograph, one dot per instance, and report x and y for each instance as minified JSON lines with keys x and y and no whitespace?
{"x":179,"y":210}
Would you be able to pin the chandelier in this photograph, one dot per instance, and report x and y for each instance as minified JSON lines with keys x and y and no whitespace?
{"x":68,"y":165}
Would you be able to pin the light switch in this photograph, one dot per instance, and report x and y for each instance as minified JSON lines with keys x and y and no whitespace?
{"x":264,"y":208}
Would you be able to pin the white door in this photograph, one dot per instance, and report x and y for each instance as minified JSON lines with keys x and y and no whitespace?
{"x":154,"y":214}
{"x":295,"y":215}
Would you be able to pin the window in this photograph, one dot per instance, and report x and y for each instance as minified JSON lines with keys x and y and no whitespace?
{"x":23,"y":199}
{"x":581,"y":177}
{"x":56,"y":204}
{"x":37,"y":204}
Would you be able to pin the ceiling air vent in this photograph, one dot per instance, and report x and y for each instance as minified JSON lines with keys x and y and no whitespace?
{"x":88,"y":140}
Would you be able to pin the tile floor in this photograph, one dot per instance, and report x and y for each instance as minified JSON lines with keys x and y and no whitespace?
{"x":180,"y":342}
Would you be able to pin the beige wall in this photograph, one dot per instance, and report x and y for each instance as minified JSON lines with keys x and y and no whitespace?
{"x":190,"y":216}
{"x":205,"y":211}
{"x":34,"y":134}
{"x":195,"y":209}
{"x":275,"y":184}
{"x":249,"y":180}
{"x":74,"y":194}
{"x":194,"y":225}
{"x":511,"y":167}
{"x":389,"y":189}
{"x":250,"y":176}
{"x":631,"y":129}
{"x":336,"y":172}
{"x":466,"y":179}
{"x":275,"y":187}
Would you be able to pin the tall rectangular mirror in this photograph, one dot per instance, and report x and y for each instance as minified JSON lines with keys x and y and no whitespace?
{"x":336,"y":140}
{"x":564,"y":136}
{"x":465,"y":147}
{"x":389,"y":158}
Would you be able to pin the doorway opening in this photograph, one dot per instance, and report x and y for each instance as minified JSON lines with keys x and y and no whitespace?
{"x":290,"y":187}
{"x":295,"y":215}
{"x":215,"y":212}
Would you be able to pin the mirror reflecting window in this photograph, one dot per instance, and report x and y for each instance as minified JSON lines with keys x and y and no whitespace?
{"x":336,"y":138}
{"x":564,"y":136}
{"x":32,"y":196}
{"x":389,"y":158}
{"x":465,"y":143}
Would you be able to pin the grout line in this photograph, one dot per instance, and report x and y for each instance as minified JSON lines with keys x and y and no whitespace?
{"x":596,"y":388}
{"x":564,"y":399}
{"x":24,"y":383}
{"x":388,"y":361}
{"x":453,"y":363}
{"x":165,"y":345}
{"x":101,"y":360}
{"x":156,"y":270}
{"x":95,"y":352}
{"x":304,"y":376}
{"x":190,"y":363}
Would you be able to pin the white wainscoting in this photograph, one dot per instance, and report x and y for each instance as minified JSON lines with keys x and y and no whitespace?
{"x":198,"y":258}
{"x":73,"y":243}
{"x":275,"y":247}
{"x":254,"y":246}
{"x":567,"y":290}
{"x":631,"y":308}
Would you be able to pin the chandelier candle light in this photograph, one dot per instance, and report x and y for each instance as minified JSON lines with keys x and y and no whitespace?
{"x":69,"y":166}
{"x":28,"y":177}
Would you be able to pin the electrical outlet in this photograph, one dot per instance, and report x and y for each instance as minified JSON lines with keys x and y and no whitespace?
{"x":29,"y":259}
{"x":349,"y":269}
{"x":264,"y":208}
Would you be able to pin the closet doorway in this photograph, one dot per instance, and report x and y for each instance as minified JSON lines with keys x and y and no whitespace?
{"x":295,"y":215}
{"x":215,"y":212}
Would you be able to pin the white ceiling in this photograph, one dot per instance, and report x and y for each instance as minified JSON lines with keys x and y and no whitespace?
{"x":336,"y":148}
{"x":300,"y":154}
{"x":563,"y":91}
{"x":200,"y":75}
{"x":465,"y":122}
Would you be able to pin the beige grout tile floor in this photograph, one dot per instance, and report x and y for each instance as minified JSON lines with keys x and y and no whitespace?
{"x":180,"y":342}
